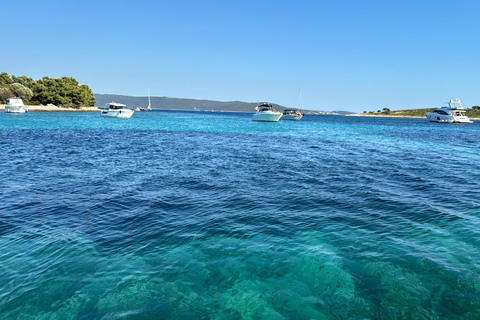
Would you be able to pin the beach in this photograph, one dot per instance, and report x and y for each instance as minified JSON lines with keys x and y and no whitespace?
{"x":53,"y":108}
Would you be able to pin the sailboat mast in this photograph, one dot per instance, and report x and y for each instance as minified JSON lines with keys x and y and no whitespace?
{"x":149,"y":104}
{"x":300,"y":102}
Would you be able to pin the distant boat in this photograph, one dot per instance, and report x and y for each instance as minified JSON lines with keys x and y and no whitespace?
{"x":15,"y":105}
{"x":149,"y":104}
{"x":265,"y":112}
{"x":454,"y":112}
{"x":116,"y":110}
{"x":294,"y":114}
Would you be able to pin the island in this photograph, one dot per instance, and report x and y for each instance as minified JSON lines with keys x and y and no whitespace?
{"x":473,"y":113}
{"x":47,"y":94}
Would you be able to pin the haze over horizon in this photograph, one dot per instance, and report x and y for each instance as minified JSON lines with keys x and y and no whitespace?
{"x":348,"y":55}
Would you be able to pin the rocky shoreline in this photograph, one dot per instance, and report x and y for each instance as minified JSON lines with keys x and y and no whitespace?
{"x":54,"y":108}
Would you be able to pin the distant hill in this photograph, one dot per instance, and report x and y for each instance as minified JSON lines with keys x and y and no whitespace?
{"x":165,"y":103}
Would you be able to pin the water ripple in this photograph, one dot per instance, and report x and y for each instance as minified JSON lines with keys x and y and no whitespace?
{"x":211,"y":216}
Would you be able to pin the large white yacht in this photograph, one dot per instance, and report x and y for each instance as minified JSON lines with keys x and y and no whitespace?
{"x":116,"y":110}
{"x":265,"y":112}
{"x":453,"y":112}
{"x":15,"y":105}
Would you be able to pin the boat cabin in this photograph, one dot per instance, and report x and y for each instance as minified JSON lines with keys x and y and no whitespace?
{"x":264,"y":107}
{"x":115,"y":106}
{"x":291,"y":111}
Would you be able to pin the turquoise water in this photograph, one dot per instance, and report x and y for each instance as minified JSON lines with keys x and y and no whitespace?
{"x":182,"y":215}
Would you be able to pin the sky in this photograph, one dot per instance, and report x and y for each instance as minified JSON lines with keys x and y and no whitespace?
{"x":341,"y":55}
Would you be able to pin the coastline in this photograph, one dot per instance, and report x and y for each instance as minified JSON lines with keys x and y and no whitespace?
{"x":381,"y":116}
{"x":53,"y":108}
{"x":391,"y":116}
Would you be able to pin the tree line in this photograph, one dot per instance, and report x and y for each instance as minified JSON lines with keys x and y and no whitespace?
{"x":65,"y":91}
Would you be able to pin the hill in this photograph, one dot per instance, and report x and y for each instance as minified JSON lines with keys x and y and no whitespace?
{"x":165,"y":103}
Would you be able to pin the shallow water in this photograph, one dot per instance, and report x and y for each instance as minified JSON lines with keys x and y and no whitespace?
{"x":183,"y":215}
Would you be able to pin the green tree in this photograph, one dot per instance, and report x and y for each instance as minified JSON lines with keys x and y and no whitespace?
{"x":386,"y":110}
{"x":5,"y":80}
{"x":6,"y":93}
{"x":21,"y":91}
{"x":23,"y":80}
{"x":62,"y":92}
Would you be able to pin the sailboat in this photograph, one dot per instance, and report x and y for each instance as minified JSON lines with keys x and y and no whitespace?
{"x":149,"y":104}
{"x":294,"y":114}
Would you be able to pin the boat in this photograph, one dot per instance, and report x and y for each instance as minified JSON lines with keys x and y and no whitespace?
{"x":293,"y":114}
{"x":452,"y":112}
{"x":265,"y":112}
{"x":15,"y":105}
{"x":116,"y":110}
{"x":149,"y":104}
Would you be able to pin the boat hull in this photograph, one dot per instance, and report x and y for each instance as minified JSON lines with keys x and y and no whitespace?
{"x":434,"y":117}
{"x":295,"y":117}
{"x":124,"y":113}
{"x":267,"y":116}
{"x":16,"y":109}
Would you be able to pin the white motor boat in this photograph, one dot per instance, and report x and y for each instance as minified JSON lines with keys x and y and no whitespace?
{"x":453,"y":112}
{"x":116,"y":110}
{"x":292,"y":114}
{"x":15,"y":105}
{"x":265,"y":112}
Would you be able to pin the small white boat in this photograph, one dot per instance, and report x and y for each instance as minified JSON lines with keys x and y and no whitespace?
{"x":265,"y":112}
{"x":15,"y":105}
{"x":116,"y":110}
{"x":453,"y":112}
{"x":294,"y":114}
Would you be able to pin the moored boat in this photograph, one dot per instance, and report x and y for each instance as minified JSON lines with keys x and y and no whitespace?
{"x":266,"y":113}
{"x":294,"y":114}
{"x":116,"y":110}
{"x":453,"y":112}
{"x":149,"y":104}
{"x":15,"y":105}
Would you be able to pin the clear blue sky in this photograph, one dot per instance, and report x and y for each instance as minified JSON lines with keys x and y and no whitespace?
{"x":342,"y":55}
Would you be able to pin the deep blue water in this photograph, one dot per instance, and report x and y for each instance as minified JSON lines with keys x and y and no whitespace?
{"x":182,"y":215}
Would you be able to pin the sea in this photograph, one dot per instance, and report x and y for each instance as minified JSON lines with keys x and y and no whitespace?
{"x":205,"y":215}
